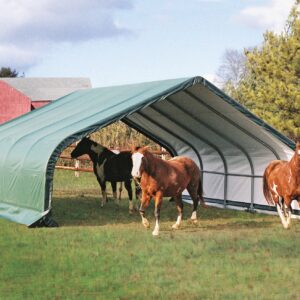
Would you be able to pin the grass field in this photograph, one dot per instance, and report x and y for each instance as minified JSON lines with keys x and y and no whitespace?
{"x":103,"y":253}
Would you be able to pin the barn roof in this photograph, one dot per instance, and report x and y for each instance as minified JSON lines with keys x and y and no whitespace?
{"x":47,"y":89}
{"x":187,"y":116}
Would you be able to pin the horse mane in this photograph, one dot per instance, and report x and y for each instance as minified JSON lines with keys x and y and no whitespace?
{"x":147,"y":161}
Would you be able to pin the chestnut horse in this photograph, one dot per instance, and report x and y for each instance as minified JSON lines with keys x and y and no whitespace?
{"x":160,"y":178}
{"x":281,"y":185}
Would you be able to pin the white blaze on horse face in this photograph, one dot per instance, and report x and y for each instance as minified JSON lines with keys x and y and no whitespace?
{"x":136,"y":164}
{"x":299,"y":152}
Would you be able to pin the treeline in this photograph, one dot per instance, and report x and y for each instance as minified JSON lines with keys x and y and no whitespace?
{"x":119,"y":135}
{"x":266,"y":79}
{"x":8,"y":72}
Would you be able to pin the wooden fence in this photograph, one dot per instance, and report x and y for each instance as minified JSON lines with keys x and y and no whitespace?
{"x":84,"y":163}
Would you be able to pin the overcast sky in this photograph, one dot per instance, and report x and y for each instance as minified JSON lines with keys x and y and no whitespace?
{"x":125,"y":41}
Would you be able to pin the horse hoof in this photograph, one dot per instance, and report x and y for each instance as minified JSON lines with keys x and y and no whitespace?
{"x":194,"y":221}
{"x":155,"y":233}
{"x":286,"y":226}
{"x":175,"y":226}
{"x":131,"y":211}
{"x":146,"y":224}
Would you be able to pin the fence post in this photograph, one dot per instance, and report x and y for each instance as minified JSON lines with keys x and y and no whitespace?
{"x":77,"y":164}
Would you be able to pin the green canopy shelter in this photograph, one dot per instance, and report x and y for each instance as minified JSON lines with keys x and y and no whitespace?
{"x":187,"y":116}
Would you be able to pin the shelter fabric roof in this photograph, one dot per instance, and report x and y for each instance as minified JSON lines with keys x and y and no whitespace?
{"x":47,"y":88}
{"x":187,"y":116}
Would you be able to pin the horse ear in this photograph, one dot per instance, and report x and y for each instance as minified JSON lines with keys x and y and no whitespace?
{"x":134,"y":148}
{"x":144,"y":149}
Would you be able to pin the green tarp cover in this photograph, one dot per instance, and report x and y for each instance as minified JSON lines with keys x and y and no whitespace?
{"x":31,"y":144}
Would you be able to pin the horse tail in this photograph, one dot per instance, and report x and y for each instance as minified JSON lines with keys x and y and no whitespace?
{"x":200,"y":194}
{"x":266,"y":190}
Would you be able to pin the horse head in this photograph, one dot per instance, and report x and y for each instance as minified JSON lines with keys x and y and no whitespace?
{"x":138,"y":161}
{"x":82,"y":148}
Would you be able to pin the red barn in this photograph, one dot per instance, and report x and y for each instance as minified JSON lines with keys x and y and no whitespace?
{"x":21,"y":95}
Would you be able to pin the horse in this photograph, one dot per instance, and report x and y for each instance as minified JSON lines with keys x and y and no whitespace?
{"x":281,"y":185}
{"x":159,"y":178}
{"x":108,"y":166}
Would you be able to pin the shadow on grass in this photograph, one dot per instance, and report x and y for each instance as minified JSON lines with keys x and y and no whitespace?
{"x":86,"y":211}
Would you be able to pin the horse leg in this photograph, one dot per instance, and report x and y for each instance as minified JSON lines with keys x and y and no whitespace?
{"x":193,"y":191}
{"x":129,"y":190}
{"x":158,"y":202}
{"x":103,"y":189}
{"x":288,"y":210}
{"x":179,"y":206}
{"x":284,"y":212}
{"x":138,"y":193}
{"x":114,"y":189}
{"x":144,"y":204}
{"x":120,"y":190}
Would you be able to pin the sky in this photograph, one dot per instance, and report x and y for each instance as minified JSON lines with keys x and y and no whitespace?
{"x":116,"y":42}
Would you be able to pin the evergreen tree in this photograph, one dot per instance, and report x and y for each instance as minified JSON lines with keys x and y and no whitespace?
{"x":271,"y":85}
{"x":8,"y":72}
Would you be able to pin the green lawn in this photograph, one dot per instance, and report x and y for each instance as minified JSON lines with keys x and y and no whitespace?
{"x":104,"y":253}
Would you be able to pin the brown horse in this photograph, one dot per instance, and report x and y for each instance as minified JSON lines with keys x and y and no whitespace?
{"x":281,"y":184}
{"x":160,"y":178}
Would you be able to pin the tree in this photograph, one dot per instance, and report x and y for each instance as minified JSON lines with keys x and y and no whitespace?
{"x":119,"y":135}
{"x":8,"y":72}
{"x":231,"y":71}
{"x":271,"y":84}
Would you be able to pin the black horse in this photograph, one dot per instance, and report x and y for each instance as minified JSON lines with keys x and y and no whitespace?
{"x":108,"y":166}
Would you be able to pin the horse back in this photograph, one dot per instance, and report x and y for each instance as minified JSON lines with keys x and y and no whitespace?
{"x":180,"y":170}
{"x":184,"y":164}
{"x":277,"y":167}
{"x":118,"y":167}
